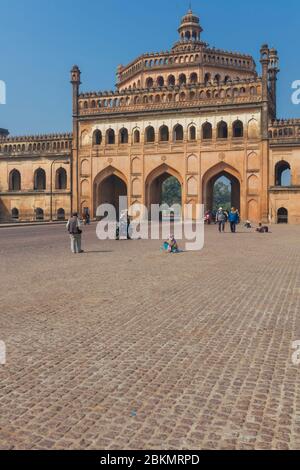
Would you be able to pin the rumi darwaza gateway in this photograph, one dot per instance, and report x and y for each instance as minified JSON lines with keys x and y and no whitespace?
{"x":195,"y":113}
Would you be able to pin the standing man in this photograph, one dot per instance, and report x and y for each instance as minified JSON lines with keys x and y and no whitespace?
{"x":74,"y":229}
{"x":221,"y":220}
{"x":234,"y":219}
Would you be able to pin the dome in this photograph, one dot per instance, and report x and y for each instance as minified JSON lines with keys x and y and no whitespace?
{"x":190,"y":28}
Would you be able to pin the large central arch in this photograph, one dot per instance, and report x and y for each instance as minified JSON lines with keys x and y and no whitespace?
{"x":109,"y":185}
{"x":210,"y":178}
{"x":155,"y":181}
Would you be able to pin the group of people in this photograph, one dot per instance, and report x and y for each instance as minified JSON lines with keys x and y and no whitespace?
{"x":74,"y":227}
{"x":222,"y":217}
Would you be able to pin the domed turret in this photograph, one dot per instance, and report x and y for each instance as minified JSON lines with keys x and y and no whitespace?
{"x":190,"y":29}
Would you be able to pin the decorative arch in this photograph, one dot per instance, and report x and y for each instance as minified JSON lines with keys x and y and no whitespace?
{"x":283,"y":176}
{"x":192,"y":186}
{"x":84,"y":138}
{"x":253,"y":184}
{"x":164,"y":134}
{"x":14,"y":182}
{"x":155,"y":180}
{"x":178,"y":133}
{"x":253,"y":131}
{"x":97,"y":137}
{"x":253,"y":161}
{"x":108,"y":186}
{"x":85,"y":167}
{"x":136,"y":165}
{"x":192,"y":164}
{"x":61,"y":179}
{"x":253,"y":214}
{"x":39,"y":180}
{"x":212,"y":175}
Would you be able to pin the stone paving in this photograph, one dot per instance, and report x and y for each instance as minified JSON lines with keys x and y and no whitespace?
{"x":124,"y":347}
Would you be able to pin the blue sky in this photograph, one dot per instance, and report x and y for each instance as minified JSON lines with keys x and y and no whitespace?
{"x":42,"y":39}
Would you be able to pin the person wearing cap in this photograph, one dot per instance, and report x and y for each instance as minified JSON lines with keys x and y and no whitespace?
{"x":221,"y":219}
{"x":74,"y":229}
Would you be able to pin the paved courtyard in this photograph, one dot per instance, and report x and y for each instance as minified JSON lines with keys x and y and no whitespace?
{"x":124,"y":347}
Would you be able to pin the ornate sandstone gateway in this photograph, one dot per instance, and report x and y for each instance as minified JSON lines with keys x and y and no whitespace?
{"x":196,"y":113}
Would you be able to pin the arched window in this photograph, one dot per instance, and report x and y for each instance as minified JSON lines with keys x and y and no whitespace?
{"x":207,"y":131}
{"x":15,"y":180}
{"x":226,"y":79}
{"x":178,"y":133}
{"x":171,"y":80}
{"x":123,"y":136}
{"x":222,"y":130}
{"x":61,"y":179}
{"x":149,"y":82}
{"x":283,"y":175}
{"x":192,"y":133}
{"x":61,"y":215}
{"x":237,"y":129}
{"x":150,"y":134}
{"x":193,"y":78}
{"x":207,"y":79}
{"x":182,"y":79}
{"x":282,"y":216}
{"x":15,"y":214}
{"x":110,"y":137}
{"x":39,"y":180}
{"x":164,"y":134}
{"x":218,"y":79}
{"x":39,"y":214}
{"x":97,"y":137}
{"x":160,"y":81}
{"x":136,"y":136}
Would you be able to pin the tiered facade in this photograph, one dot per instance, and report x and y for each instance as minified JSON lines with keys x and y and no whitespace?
{"x":195,"y":112}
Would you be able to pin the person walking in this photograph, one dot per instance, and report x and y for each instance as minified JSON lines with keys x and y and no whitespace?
{"x":221,"y":220}
{"x":74,"y":229}
{"x":234,"y":219}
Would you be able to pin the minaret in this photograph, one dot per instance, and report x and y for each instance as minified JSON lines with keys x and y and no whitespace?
{"x":75,"y":197}
{"x":190,"y":29}
{"x":75,"y":81}
{"x":264,"y":60}
{"x":273,"y":72}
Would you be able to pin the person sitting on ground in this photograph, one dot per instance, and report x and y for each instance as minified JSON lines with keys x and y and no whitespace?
{"x":262,"y":228}
{"x":171,"y":245}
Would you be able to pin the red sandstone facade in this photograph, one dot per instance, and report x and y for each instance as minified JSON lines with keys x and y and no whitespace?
{"x":194,"y":112}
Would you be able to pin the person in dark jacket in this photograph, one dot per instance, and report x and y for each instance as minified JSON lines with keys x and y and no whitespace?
{"x":74,"y":229}
{"x":221,"y":220}
{"x":234,"y":219}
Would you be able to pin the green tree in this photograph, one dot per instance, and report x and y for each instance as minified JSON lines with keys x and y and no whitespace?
{"x":222,"y":196}
{"x":171,"y":191}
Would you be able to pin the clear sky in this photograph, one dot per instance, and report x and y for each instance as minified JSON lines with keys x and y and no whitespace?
{"x":42,"y":39}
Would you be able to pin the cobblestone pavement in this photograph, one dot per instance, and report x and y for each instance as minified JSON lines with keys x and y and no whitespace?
{"x":124,"y":347}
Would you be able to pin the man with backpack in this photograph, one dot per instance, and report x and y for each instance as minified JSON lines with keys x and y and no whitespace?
{"x":221,"y":220}
{"x":74,"y":229}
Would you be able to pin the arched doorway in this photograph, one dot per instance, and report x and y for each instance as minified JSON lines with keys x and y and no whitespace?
{"x":282,"y":216}
{"x":109,"y":186}
{"x":221,"y":187}
{"x":164,"y":186}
